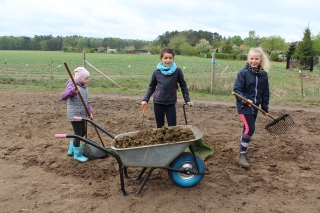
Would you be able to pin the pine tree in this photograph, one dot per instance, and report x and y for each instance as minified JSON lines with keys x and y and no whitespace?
{"x":305,"y":47}
{"x":290,"y":52}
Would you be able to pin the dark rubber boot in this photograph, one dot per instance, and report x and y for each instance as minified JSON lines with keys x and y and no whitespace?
{"x":249,"y":159}
{"x":241,"y":159}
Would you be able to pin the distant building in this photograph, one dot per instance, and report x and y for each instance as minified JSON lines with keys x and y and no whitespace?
{"x":140,"y":51}
{"x":112,"y":51}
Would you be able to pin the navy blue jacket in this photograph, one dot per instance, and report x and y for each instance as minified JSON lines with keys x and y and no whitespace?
{"x":255,"y":88}
{"x":165,"y":87}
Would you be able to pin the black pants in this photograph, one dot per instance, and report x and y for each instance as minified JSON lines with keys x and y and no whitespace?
{"x":79,"y":128}
{"x":161,"y":110}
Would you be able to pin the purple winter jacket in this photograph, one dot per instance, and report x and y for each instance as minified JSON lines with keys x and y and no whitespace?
{"x":74,"y":105}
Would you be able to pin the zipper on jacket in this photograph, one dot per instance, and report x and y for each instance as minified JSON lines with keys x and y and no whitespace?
{"x":256,"y":90}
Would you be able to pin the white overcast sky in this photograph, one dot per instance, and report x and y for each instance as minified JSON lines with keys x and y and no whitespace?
{"x":147,"y":19}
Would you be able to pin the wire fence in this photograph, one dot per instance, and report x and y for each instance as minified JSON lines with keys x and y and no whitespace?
{"x":292,"y":85}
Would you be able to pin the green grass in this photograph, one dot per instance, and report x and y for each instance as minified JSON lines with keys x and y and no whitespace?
{"x":32,"y":70}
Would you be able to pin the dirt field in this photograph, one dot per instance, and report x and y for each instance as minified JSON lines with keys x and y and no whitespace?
{"x":36,"y":175}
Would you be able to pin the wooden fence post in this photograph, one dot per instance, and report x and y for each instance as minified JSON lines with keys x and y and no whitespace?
{"x":301,"y":78}
{"x":84,"y":59}
{"x":51,"y":72}
{"x":212,"y":71}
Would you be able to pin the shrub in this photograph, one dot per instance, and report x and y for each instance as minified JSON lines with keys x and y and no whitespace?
{"x":242,"y":57}
{"x":225,"y":56}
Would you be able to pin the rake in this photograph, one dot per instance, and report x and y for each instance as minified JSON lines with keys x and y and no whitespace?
{"x":279,"y":125}
{"x":144,"y":107}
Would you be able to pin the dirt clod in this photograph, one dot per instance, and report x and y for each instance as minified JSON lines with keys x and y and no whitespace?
{"x":155,"y":136}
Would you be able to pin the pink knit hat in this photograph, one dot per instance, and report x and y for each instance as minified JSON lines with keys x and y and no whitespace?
{"x":81,"y":72}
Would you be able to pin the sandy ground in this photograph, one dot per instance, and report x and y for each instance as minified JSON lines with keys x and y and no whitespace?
{"x":36,"y":175}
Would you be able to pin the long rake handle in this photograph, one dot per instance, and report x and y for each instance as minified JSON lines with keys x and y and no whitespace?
{"x":255,"y":106}
{"x":84,"y":104}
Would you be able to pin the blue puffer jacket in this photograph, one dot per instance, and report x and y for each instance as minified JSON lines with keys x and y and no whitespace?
{"x":165,"y":87}
{"x":255,"y":88}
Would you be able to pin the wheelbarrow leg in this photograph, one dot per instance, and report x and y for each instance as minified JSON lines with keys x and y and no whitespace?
{"x":145,"y":180}
{"x":125,"y":170}
{"x":194,"y":156}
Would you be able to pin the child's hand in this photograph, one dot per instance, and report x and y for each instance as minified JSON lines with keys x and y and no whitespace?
{"x":91,"y":116}
{"x":190,"y":104}
{"x":144,"y":103}
{"x":249,"y":102}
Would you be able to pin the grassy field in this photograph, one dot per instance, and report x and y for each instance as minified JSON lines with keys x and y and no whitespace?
{"x":46,"y":70}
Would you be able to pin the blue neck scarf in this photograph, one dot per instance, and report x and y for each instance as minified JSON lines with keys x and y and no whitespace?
{"x":167,"y":70}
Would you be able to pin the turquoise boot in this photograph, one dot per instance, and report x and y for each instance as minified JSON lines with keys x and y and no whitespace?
{"x":70,"y":150}
{"x":77,"y":151}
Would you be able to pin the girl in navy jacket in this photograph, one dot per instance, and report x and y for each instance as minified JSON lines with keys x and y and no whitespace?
{"x":164,"y":85}
{"x":252,"y":84}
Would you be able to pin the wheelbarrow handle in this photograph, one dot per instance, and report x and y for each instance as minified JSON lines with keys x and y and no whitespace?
{"x":254,"y":106}
{"x":60,"y":135}
{"x":77,"y":118}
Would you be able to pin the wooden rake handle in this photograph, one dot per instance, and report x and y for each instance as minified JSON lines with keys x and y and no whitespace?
{"x":144,"y":107}
{"x":254,"y":106}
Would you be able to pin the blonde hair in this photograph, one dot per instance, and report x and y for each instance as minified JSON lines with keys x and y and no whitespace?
{"x":265,"y":65}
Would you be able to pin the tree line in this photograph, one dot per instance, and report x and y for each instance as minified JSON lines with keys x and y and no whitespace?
{"x":189,"y":42}
{"x":68,"y":43}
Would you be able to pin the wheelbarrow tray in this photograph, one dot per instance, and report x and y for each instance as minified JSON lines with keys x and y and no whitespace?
{"x":158,"y":155}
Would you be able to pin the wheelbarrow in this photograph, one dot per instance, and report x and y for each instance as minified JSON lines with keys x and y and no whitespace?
{"x":185,"y":169}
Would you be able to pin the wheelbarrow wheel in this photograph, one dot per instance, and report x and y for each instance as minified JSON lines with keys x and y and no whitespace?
{"x":186,"y":161}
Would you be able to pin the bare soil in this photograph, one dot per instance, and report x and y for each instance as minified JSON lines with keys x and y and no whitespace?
{"x":36,"y":175}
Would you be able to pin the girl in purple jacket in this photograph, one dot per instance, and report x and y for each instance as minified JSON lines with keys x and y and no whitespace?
{"x":75,"y":107}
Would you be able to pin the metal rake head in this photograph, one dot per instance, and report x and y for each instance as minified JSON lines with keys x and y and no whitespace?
{"x":280,"y":125}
